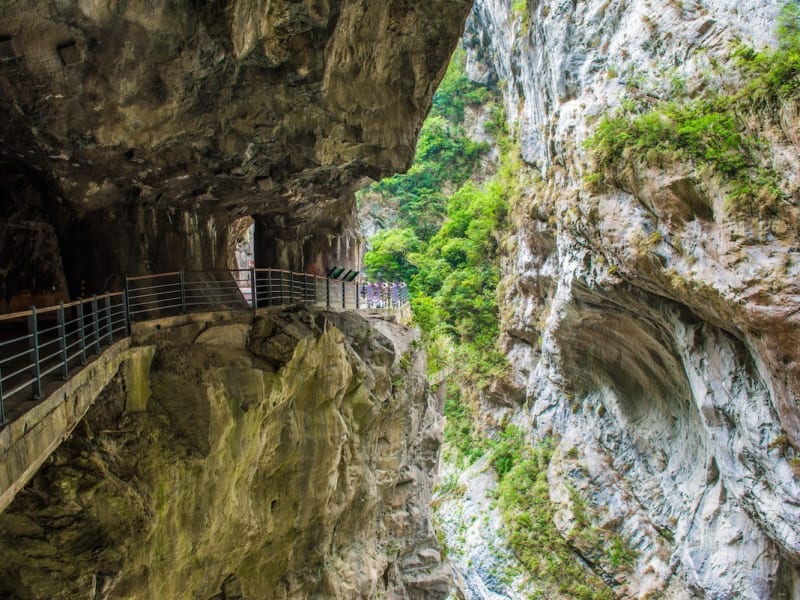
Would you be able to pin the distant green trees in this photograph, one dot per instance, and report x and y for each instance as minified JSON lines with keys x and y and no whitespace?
{"x":455,"y":289}
{"x":445,"y":156}
{"x":445,"y":242}
{"x":389,"y":257}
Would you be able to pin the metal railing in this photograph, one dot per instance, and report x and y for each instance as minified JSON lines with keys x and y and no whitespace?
{"x":39,"y":346}
{"x":165,"y":294}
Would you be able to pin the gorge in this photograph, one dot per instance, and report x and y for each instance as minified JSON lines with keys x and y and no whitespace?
{"x":600,"y":236}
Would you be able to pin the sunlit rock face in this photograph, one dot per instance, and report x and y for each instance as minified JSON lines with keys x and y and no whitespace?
{"x":654,"y":330}
{"x":287,"y":458}
{"x":141,"y":130}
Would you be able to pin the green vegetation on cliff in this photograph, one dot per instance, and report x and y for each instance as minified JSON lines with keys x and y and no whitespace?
{"x":445,"y":241}
{"x":463,"y":444}
{"x":711,"y":130}
{"x":523,"y":497}
{"x":445,"y":157}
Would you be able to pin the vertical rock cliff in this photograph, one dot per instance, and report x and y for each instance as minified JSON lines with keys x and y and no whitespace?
{"x":288,"y":457}
{"x":650,"y":300}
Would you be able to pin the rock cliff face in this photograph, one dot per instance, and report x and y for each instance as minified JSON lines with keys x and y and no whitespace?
{"x":653,"y":328}
{"x":291,"y":457}
{"x":135,"y":133}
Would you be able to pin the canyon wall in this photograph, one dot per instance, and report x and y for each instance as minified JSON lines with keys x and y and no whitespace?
{"x":651,"y":323}
{"x":290,"y":456}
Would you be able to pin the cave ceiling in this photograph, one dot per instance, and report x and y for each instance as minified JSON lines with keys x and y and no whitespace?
{"x":246,"y":106}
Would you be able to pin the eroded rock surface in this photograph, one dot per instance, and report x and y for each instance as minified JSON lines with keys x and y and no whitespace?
{"x":135,"y":133}
{"x":291,"y":457}
{"x":654,"y":328}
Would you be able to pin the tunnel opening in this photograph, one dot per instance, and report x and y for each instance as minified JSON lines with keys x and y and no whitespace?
{"x":240,"y":244}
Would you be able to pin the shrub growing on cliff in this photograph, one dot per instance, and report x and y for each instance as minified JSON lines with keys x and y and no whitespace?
{"x":523,"y":496}
{"x":463,"y":444}
{"x":710,"y":131}
{"x":457,"y":91}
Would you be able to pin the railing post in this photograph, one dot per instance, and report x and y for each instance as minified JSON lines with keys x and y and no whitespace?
{"x":327,"y":293}
{"x":253,"y":288}
{"x":126,"y":311}
{"x":355,"y":286}
{"x":96,"y":322}
{"x":291,"y":287}
{"x":109,"y":322}
{"x":82,"y":330}
{"x":344,"y":295}
{"x":183,"y":294}
{"x":2,"y":410}
{"x":33,"y":330}
{"x":62,"y":341}
{"x":269,"y":287}
{"x":128,"y":316}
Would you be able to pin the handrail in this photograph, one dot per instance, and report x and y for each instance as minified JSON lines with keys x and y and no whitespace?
{"x":46,"y":309}
{"x":137,"y":277}
{"x":85,"y":325}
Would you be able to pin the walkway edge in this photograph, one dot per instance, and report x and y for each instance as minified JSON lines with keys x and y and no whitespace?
{"x":27,"y":442}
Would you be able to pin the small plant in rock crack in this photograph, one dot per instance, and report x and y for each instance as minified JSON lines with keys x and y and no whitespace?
{"x":449,"y":486}
{"x":405,"y":361}
{"x":781,"y":442}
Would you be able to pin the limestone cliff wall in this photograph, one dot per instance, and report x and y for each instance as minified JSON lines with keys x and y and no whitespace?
{"x":290,"y":457}
{"x":653,"y":329}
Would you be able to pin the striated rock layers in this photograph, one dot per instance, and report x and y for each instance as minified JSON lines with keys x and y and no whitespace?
{"x":290,"y":457}
{"x":654,"y":327}
{"x":135,"y":133}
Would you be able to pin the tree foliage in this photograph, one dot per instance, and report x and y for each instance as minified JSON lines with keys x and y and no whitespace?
{"x":445,"y":156}
{"x":459,"y":269}
{"x":388,"y":258}
{"x":445,"y":244}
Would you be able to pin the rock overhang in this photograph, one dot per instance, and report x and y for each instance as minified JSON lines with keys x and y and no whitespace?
{"x":221,"y":109}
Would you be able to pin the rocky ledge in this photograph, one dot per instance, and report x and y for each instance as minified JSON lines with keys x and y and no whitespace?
{"x":290,"y":457}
